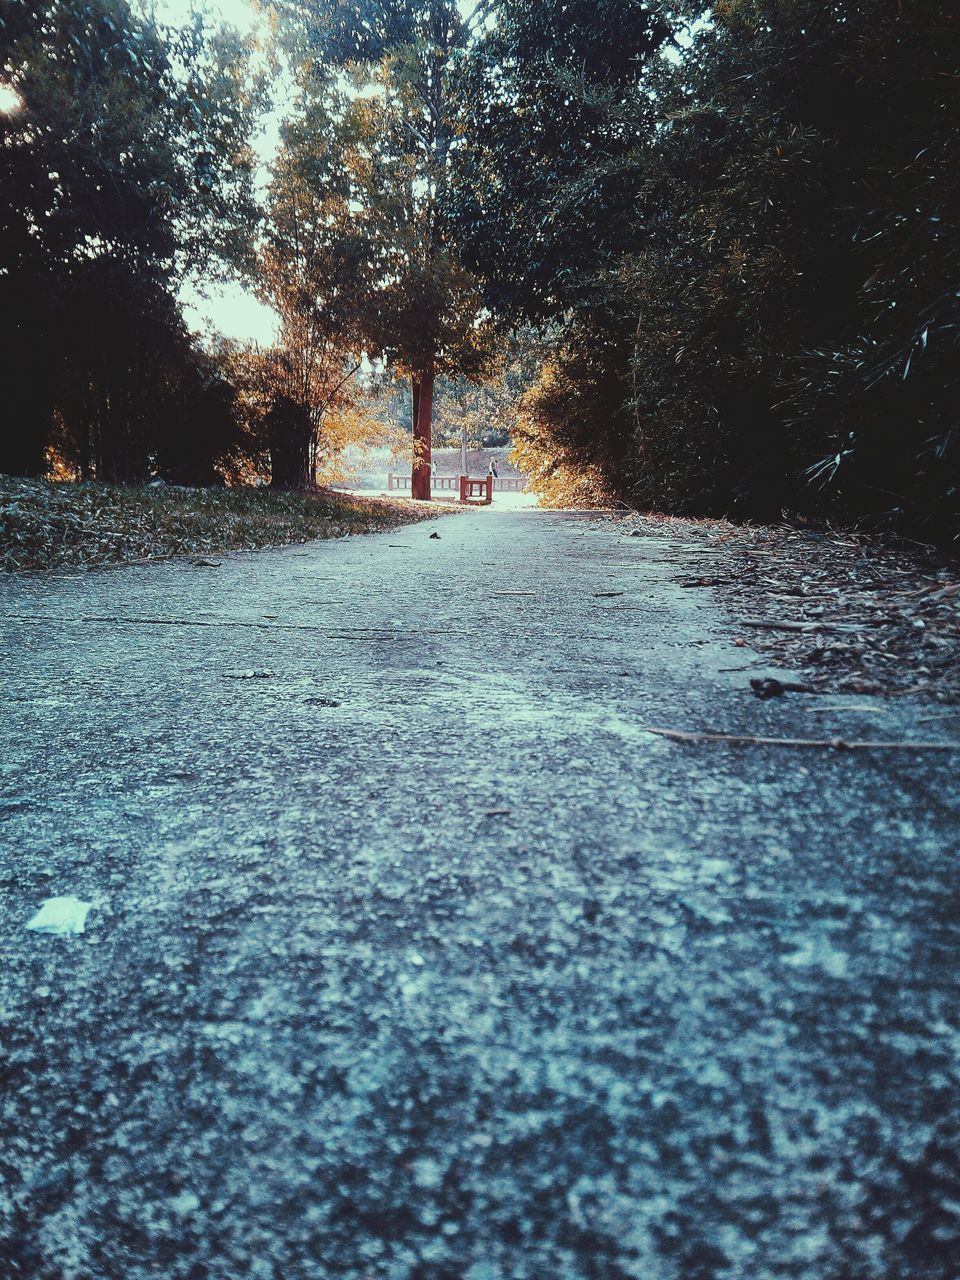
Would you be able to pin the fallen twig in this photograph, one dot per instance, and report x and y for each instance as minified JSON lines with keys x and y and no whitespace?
{"x":770,"y":688}
{"x":838,"y":744}
{"x":872,"y":706}
{"x":770,"y":625}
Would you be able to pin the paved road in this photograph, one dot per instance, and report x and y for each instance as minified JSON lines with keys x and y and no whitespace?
{"x":682,"y":1013}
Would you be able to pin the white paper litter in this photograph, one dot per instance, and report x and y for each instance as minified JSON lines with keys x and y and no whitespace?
{"x":61,"y":916}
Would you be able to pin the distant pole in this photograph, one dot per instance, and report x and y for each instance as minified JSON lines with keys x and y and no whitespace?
{"x":463,"y":450}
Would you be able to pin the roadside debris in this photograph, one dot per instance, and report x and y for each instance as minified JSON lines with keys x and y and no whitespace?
{"x":770,"y":688}
{"x":772,"y":624}
{"x":64,"y":915}
{"x":856,"y":613}
{"x":57,"y":525}
{"x":837,"y":744}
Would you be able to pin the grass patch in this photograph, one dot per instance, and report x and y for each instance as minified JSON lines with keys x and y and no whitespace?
{"x":51,"y":525}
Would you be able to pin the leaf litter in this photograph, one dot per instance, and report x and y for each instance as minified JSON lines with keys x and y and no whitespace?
{"x":854,"y":612}
{"x":56,"y":525}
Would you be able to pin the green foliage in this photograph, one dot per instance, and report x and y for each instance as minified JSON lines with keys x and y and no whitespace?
{"x":552,"y":93}
{"x":128,"y":168}
{"x":489,"y":410}
{"x":423,"y":310}
{"x":750,"y":252}
{"x":799,"y":259}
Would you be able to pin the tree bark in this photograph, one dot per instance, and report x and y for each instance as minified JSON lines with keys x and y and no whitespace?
{"x":423,"y":401}
{"x":289,"y":435}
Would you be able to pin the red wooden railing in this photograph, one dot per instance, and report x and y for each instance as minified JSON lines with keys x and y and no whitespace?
{"x":501,"y":484}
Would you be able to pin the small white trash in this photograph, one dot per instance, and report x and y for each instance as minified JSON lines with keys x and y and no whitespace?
{"x":61,"y":916}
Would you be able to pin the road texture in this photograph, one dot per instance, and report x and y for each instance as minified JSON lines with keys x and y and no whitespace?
{"x":413,"y":955}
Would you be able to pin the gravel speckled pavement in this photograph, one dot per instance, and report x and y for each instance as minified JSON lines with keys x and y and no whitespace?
{"x":682,"y":1013}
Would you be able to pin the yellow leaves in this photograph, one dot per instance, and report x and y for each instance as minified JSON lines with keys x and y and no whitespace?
{"x":351,"y":429}
{"x":556,"y":481}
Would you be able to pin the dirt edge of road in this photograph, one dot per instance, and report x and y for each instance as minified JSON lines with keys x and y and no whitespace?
{"x":850,"y":613}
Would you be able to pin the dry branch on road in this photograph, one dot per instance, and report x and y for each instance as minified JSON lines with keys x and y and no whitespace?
{"x":836,"y":744}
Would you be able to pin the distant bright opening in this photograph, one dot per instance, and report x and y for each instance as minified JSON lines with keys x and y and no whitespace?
{"x":10,"y":100}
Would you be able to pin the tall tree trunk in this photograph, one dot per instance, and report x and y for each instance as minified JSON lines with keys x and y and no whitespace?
{"x":415,"y":391}
{"x":423,"y":401}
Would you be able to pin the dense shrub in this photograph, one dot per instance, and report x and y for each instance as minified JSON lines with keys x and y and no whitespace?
{"x":758,"y":251}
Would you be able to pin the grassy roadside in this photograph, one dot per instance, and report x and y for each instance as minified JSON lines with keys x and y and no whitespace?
{"x":50,"y":525}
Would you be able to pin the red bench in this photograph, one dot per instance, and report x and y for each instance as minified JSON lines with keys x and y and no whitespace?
{"x":478,"y":491}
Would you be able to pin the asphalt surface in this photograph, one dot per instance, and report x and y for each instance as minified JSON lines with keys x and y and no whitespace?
{"x":681,"y":1013}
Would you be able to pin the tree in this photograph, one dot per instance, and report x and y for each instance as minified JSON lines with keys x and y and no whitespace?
{"x":425,"y":314}
{"x":554,"y":94}
{"x":545,"y":205}
{"x":805,"y":191}
{"x":485,"y":412}
{"x":128,"y":167}
{"x":749,"y":252}
{"x":316,"y":273}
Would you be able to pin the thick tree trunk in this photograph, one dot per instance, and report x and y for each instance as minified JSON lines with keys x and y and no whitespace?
{"x":422,"y":430}
{"x":289,"y":433}
{"x":120,"y":450}
{"x":23,"y":442}
{"x":290,"y":464}
{"x":30,"y":363}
